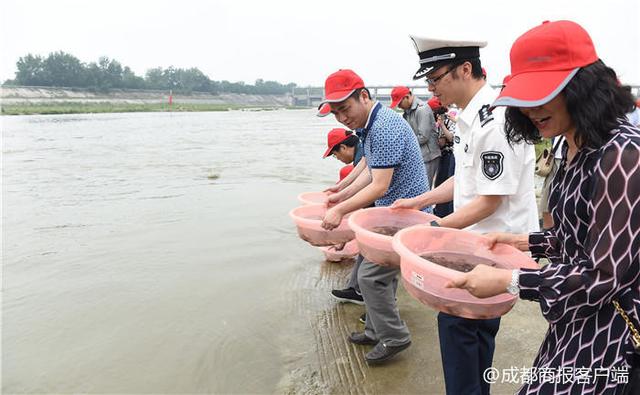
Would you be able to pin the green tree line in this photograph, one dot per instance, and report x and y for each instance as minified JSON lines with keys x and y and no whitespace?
{"x":63,"y":69}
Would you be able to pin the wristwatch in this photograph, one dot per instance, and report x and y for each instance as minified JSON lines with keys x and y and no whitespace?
{"x":514,"y":287}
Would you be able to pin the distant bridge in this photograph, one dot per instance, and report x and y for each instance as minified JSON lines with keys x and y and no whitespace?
{"x":312,"y":96}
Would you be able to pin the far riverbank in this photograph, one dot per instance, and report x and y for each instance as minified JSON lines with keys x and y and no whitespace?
{"x":108,"y":107}
{"x":46,"y":100}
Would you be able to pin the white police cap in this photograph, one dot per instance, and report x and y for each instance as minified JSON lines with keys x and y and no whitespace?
{"x":434,"y":52}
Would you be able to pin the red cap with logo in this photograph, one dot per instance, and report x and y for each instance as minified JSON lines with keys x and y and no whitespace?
{"x":543,"y":61}
{"x":340,"y":85}
{"x":335,"y":137}
{"x":397,"y":94}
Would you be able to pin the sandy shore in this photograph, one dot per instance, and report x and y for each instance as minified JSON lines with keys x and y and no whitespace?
{"x":333,"y":365}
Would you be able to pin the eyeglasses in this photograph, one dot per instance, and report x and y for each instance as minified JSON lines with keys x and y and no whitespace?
{"x":434,"y":81}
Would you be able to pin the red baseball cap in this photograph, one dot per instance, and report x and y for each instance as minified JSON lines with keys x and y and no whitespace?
{"x":434,"y":103}
{"x":340,"y":85}
{"x":504,"y":82}
{"x":397,"y":94}
{"x":324,"y":109}
{"x":335,"y":137}
{"x":345,"y":171}
{"x":543,"y":61}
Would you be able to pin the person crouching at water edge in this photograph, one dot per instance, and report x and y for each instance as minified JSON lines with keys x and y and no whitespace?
{"x":590,"y":290}
{"x":394,"y":170}
{"x":346,"y":147}
{"x":492,"y":190}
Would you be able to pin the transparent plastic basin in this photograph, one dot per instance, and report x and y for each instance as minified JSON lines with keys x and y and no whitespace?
{"x":308,"y":220}
{"x":349,"y":251}
{"x":374,"y":228}
{"x":312,"y":197}
{"x":456,"y":251}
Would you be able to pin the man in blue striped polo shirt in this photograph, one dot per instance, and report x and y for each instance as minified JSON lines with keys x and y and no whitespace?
{"x":395,"y":170}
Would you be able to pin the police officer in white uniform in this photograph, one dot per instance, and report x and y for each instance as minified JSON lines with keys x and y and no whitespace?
{"x":492,"y":191}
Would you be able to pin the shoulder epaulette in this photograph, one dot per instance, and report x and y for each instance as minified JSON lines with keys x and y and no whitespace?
{"x":485,"y":114}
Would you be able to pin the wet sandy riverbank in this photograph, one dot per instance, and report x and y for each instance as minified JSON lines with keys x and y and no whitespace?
{"x":333,"y":365}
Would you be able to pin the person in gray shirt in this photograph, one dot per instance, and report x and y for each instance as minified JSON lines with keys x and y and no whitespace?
{"x":420,"y":117}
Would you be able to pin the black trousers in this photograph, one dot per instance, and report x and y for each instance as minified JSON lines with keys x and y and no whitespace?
{"x":466,"y":347}
{"x":445,"y":170}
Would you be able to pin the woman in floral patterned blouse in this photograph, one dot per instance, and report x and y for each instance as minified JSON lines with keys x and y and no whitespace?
{"x":559,"y":86}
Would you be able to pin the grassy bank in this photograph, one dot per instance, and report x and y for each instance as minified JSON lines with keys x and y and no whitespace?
{"x":107,"y":107}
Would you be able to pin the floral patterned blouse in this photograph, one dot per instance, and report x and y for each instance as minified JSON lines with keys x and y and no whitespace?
{"x":594,"y":255}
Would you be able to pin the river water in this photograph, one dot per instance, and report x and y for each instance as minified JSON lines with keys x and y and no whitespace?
{"x":153,"y":253}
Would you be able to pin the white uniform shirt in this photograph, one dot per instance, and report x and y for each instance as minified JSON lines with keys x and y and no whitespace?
{"x":487,"y":165}
{"x":634,"y":117}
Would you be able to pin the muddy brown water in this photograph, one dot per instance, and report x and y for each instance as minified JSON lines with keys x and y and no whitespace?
{"x":386,"y":230}
{"x":152,"y":253}
{"x":459,"y":262}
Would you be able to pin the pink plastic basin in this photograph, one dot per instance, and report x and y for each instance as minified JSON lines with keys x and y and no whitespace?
{"x":349,"y":251}
{"x":308,"y":220}
{"x":425,"y":280}
{"x":312,"y":197}
{"x":376,"y":247}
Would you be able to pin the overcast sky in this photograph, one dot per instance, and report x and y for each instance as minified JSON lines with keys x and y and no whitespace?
{"x":301,"y":41}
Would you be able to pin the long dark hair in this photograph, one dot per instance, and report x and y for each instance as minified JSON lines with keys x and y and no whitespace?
{"x":595,"y":100}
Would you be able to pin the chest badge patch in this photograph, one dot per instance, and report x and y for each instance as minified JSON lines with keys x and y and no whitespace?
{"x":492,"y":164}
